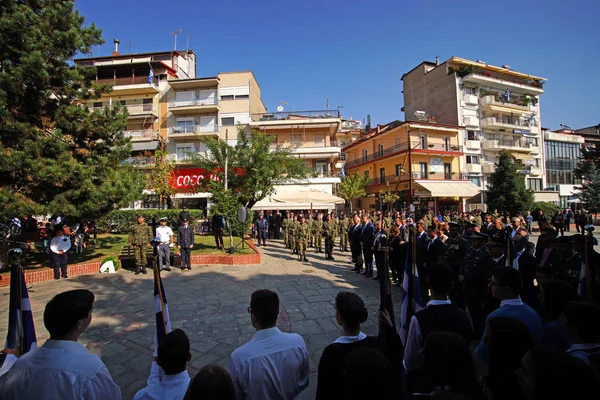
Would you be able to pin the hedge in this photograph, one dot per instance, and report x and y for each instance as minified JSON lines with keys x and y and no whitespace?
{"x":120,"y":221}
{"x":548,"y":208}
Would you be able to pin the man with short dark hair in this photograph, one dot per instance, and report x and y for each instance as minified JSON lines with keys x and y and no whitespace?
{"x":440,"y":315}
{"x":185,"y":243}
{"x":172,"y":357}
{"x":581,"y":321}
{"x":62,"y":368}
{"x":273,"y":364}
{"x":505,"y":286}
{"x":526,"y":264}
{"x":366,"y":238}
{"x":59,"y":246}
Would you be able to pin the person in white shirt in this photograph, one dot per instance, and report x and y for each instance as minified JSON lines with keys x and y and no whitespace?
{"x":62,"y":368}
{"x":59,"y":246}
{"x":169,"y":378}
{"x":165,"y":235}
{"x":272,"y":365}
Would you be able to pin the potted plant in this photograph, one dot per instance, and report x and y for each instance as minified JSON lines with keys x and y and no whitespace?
{"x":455,"y":148}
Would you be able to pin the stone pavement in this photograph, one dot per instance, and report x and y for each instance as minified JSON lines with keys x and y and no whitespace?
{"x":210,"y":304}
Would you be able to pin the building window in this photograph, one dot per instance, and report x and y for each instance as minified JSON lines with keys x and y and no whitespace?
{"x":228,"y":121}
{"x":97,"y":104}
{"x":228,"y":97}
{"x":447,"y":143}
{"x":242,"y":96}
{"x":184,"y":151}
{"x":380,"y":150}
{"x":423,"y":170}
{"x":472,"y":135}
{"x":472,"y":159}
{"x":365,"y":155}
{"x":534,"y":184}
{"x":381,"y":175}
{"x":398,"y":168}
{"x":367,"y":174}
{"x":423,"y":140}
{"x":475,"y":179}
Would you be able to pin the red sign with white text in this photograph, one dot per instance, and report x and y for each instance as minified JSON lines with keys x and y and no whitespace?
{"x":191,"y":179}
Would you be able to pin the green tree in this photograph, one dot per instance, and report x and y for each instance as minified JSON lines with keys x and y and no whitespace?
{"x":159,"y":177}
{"x":506,"y":187}
{"x":589,"y":192}
{"x":590,"y":154}
{"x":254,"y":167}
{"x":226,"y":203}
{"x":55,"y":155}
{"x":353,"y":187}
{"x":389,"y":196}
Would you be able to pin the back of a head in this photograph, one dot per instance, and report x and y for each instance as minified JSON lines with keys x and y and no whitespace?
{"x":211,"y":383}
{"x":440,"y":279}
{"x":509,"y":277}
{"x":556,"y":294}
{"x":66,"y":309}
{"x":173,"y":352}
{"x":509,"y":340}
{"x":586,"y":317}
{"x":368,"y":374}
{"x":561,"y":376}
{"x":351,"y":308}
{"x":264,"y":304}
{"x":448,"y":363}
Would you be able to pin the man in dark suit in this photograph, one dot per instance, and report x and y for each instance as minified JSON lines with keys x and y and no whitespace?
{"x":526,"y":264}
{"x":277,"y":219}
{"x":435,"y":248}
{"x":185,"y":243}
{"x":379,"y":255}
{"x":355,"y":235}
{"x":366,"y":240}
{"x":262,"y":229}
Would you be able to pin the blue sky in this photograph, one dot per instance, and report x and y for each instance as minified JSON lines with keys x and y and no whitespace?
{"x":355,"y":52}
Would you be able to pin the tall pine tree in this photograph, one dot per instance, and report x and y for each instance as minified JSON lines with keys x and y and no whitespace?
{"x":55,"y":155}
{"x":590,"y":154}
{"x":506,"y":187}
{"x":589,"y":192}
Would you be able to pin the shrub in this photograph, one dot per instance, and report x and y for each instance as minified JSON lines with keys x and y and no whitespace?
{"x":120,"y":221}
{"x":548,"y":208}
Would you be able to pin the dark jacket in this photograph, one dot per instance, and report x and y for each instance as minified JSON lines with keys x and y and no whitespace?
{"x":355,"y":235}
{"x":218,"y":222}
{"x":434,"y":252}
{"x":527,"y":266}
{"x":422,"y":242}
{"x":185,"y":236}
{"x":367,"y":235}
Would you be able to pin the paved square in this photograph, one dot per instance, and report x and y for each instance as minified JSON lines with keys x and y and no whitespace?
{"x":210,"y":303}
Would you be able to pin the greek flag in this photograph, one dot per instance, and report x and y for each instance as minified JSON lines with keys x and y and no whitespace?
{"x":412,"y":300}
{"x":507,"y":95}
{"x":150,"y":75}
{"x":163,"y":322}
{"x":21,"y":331}
{"x":343,"y":173}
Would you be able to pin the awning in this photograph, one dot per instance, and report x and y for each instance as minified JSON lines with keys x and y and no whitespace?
{"x":449,"y":188}
{"x":144,"y":146}
{"x":302,"y":200}
{"x":509,"y":110}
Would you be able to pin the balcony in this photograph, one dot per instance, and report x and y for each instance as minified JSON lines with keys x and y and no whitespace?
{"x":506,"y":123}
{"x":436,"y":148}
{"x":416,"y":147}
{"x":183,"y":158}
{"x":393,"y":179}
{"x":318,"y":118}
{"x":141,"y":162}
{"x":518,"y":105}
{"x":141,"y":134}
{"x":501,"y":81}
{"x":191,"y":131}
{"x":471,"y":121}
{"x":195,"y":105}
{"x":470,"y":99}
{"x":529,"y":169}
{"x":472,"y":168}
{"x":488,"y":168}
{"x":472,"y":145}
{"x":511,"y":145}
{"x":137,"y":111}
{"x":312,"y":150}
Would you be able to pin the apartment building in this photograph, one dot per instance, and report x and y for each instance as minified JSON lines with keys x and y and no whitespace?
{"x":313,"y":135}
{"x":562,"y":150}
{"x":420,"y":160}
{"x":498,"y":107}
{"x":172,"y":109}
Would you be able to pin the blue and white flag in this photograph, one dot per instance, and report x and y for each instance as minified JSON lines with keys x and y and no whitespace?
{"x":507,"y":95}
{"x":342,"y":173}
{"x":21,"y":330}
{"x":412,"y":299}
{"x":151,"y":75}
{"x":163,"y":321}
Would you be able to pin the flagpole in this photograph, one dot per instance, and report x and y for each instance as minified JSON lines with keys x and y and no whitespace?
{"x":414,"y":266}
{"x":588,"y":285}
{"x":20,"y":294}
{"x":160,"y":294}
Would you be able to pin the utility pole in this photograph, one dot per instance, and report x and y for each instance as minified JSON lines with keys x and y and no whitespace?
{"x":410,"y":174}
{"x":178,"y":31}
{"x":226,"y":161}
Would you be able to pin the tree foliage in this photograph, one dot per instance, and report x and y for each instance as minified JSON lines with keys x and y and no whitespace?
{"x":226,"y":203}
{"x":388,"y":196}
{"x":159,"y":177}
{"x":589,"y":192}
{"x":254,"y":167}
{"x":506,"y":187}
{"x":55,"y":155}
{"x":590,"y":154}
{"x":353,"y":187}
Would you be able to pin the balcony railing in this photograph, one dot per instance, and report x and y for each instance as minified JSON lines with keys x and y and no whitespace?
{"x":140,"y":134}
{"x":399,"y":148}
{"x":506,"y":78}
{"x":305,"y":145}
{"x":139,"y":161}
{"x":505,"y":121}
{"x":403,"y":177}
{"x":195,"y":129}
{"x":518,"y":102}
{"x":291,"y":115}
{"x":194,"y":102}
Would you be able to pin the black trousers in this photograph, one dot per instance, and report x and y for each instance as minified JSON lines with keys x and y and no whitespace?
{"x":368,"y":254}
{"x":219,"y":237}
{"x":60,"y":265}
{"x":262,"y":235}
{"x":185,"y":256}
{"x":277,"y":231}
{"x":380,"y":263}
{"x":356,"y":256}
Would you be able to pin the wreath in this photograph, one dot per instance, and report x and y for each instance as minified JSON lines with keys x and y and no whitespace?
{"x":114,"y":261}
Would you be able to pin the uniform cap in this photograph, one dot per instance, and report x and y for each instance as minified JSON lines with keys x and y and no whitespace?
{"x":140,"y":216}
{"x":453,"y":225}
{"x":479,"y":235}
{"x":163,"y":219}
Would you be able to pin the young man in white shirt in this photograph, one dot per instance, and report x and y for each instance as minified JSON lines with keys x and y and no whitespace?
{"x":59,"y":246}
{"x":272,"y":365}
{"x":165,"y":235}
{"x":169,"y":378}
{"x":62,"y":368}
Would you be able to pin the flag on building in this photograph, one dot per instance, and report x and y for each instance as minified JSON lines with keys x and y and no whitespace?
{"x":21,"y":330}
{"x":507,"y":95}
{"x":163,"y":321}
{"x":412,"y":299}
{"x":151,"y":76}
{"x":342,"y":173}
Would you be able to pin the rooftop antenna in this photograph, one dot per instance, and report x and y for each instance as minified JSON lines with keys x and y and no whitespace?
{"x":338,"y":107}
{"x":177,"y":32}
{"x":280,"y":106}
{"x":130,"y":47}
{"x":187,"y":43}
{"x":327,"y":104}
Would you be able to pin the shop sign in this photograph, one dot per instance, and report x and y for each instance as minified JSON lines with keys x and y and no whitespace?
{"x":191,"y":178}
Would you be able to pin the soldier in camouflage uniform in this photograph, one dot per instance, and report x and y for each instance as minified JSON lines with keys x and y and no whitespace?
{"x":302,"y":236}
{"x":329,"y":231}
{"x":387,"y":222}
{"x":310,"y":222}
{"x":292,"y":234}
{"x":139,"y":239}
{"x":343,"y":225}
{"x":317,"y":231}
{"x":284,"y":226}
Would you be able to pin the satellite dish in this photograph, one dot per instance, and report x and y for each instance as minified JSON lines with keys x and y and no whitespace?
{"x":279,"y":108}
{"x":242,"y":214}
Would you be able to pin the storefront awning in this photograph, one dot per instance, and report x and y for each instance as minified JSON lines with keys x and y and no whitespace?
{"x":144,"y":146}
{"x":302,"y":200}
{"x":449,"y":188}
